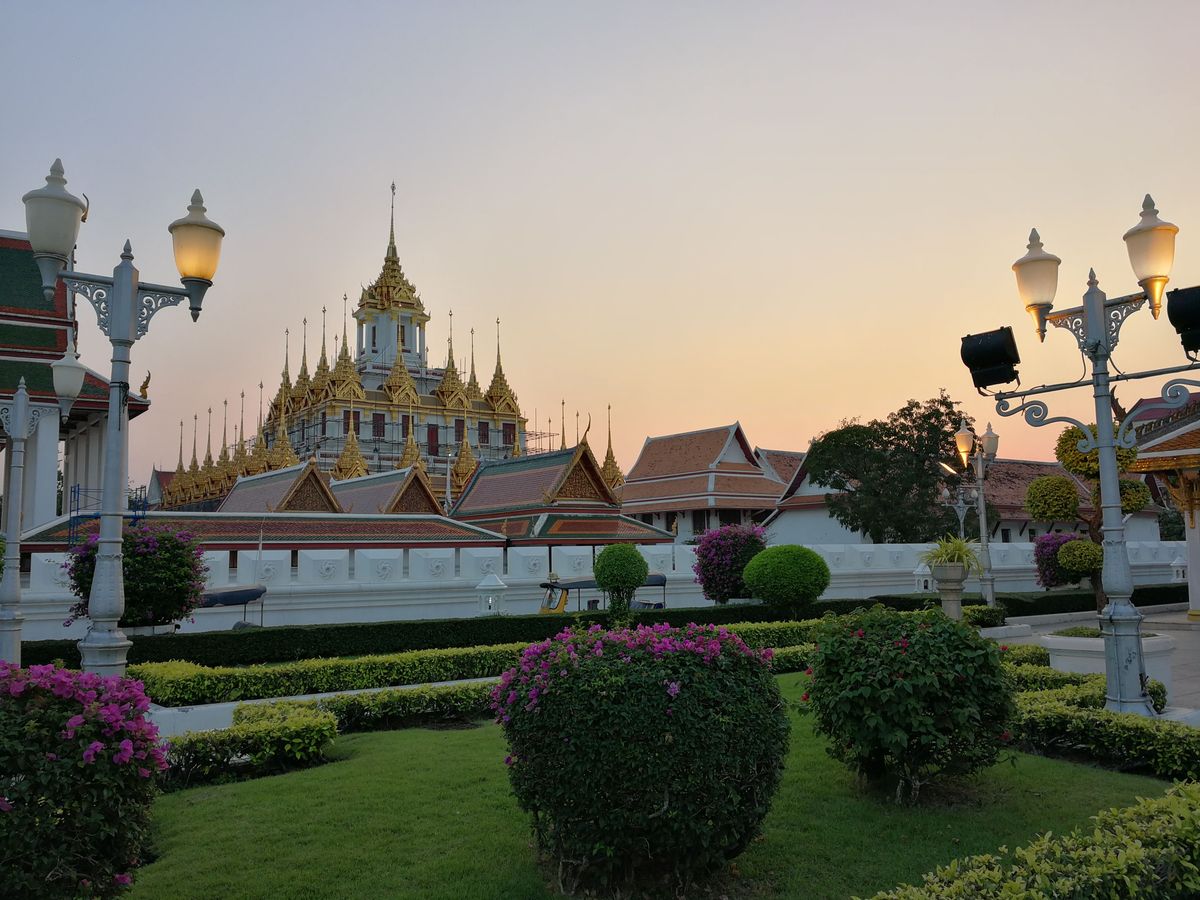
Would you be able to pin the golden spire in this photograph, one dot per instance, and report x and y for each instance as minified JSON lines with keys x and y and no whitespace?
{"x":464,"y":465}
{"x":499,"y":395}
{"x":208,"y":457}
{"x":345,"y":383}
{"x":399,"y":386}
{"x":301,"y":387}
{"x":412,"y":450}
{"x":392,"y":289}
{"x":576,"y":428}
{"x":320,"y":379}
{"x":516,"y":450}
{"x":171,"y":492}
{"x":281,"y":454}
{"x":223,"y":456}
{"x":281,"y":405}
{"x":610,"y":471}
{"x":350,"y":462}
{"x":239,"y":441}
{"x":179,"y":467}
{"x":258,"y":460}
{"x":562,"y":424}
{"x":451,"y":390}
{"x":194,"y":467}
{"x":473,"y":391}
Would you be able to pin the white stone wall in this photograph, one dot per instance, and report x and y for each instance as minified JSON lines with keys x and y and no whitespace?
{"x":440,"y":582}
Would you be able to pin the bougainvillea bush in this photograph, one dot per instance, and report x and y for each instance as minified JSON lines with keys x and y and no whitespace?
{"x":1050,"y":573}
{"x":722,"y":555}
{"x":642,"y":754}
{"x":905,"y":698}
{"x":78,"y":765}
{"x":164,"y":574}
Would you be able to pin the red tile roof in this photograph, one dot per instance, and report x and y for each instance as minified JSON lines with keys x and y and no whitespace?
{"x":690,"y":452}
{"x":779,"y":464}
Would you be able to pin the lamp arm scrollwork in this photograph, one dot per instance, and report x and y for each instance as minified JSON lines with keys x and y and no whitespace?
{"x":95,"y":289}
{"x":150,"y":299}
{"x":1037,"y":414}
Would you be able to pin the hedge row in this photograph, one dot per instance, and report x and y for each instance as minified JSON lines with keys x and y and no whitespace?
{"x":1151,"y":849}
{"x":1036,"y":603}
{"x":187,"y":684}
{"x":288,"y":643}
{"x":274,"y":740}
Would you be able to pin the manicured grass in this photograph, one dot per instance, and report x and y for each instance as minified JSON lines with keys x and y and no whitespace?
{"x":428,"y":814}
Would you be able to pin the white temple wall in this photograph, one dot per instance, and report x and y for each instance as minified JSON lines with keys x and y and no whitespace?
{"x":381,"y":588}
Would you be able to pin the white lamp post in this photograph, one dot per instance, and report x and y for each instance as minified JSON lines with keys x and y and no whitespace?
{"x":977,"y":454}
{"x":1096,"y":326}
{"x":124,"y":306}
{"x":491,"y":592}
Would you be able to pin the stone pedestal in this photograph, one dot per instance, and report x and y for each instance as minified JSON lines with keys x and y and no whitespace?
{"x":950,"y":580}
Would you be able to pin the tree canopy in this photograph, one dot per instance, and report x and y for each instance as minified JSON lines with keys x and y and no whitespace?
{"x":885,"y":473}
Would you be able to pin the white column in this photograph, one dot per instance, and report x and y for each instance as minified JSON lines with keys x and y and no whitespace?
{"x":1192,"y":534}
{"x":41,"y":472}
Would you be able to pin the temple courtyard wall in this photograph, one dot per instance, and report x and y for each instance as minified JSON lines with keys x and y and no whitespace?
{"x":309,"y":587}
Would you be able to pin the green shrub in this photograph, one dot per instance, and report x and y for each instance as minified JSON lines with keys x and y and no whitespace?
{"x":1151,"y":849}
{"x":1052,"y":498}
{"x":186,"y":684}
{"x":984,"y":616}
{"x":1038,"y":684}
{"x":788,"y":577}
{"x":1025,"y":655}
{"x":1082,"y":558}
{"x":268,"y":738}
{"x":164,"y":572}
{"x":643,"y":754}
{"x":385,"y":710}
{"x":1135,"y":496}
{"x":620,"y":570}
{"x":908,"y":697}
{"x":78,"y":766}
{"x":1086,"y":465}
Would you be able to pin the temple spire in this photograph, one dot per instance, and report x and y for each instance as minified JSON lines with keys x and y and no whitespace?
{"x":179,"y":467}
{"x":610,"y":471}
{"x":412,"y":452}
{"x":499,"y":395}
{"x":223,"y":456}
{"x":473,"y":391}
{"x":194,"y":466}
{"x":208,"y":457}
{"x":562,"y":423}
{"x":391,"y":250}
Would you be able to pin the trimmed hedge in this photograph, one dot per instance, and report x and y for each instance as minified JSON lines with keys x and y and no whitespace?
{"x":1025,"y":654}
{"x":277,"y":737}
{"x":984,"y":616}
{"x":187,"y":684}
{"x":1151,"y":849}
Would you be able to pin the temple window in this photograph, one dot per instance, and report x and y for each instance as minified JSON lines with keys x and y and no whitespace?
{"x":431,"y":440}
{"x":460,"y":426}
{"x":377,"y":425}
{"x":699,"y":521}
{"x":484,"y":434}
{"x":508,"y":433}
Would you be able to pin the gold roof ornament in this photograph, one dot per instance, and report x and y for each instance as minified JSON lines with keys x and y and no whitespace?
{"x":499,"y":394}
{"x":281,"y":455}
{"x":227,"y":474}
{"x":399,"y":386}
{"x":451,"y":390}
{"x":412,"y":450}
{"x":562,"y":423}
{"x":281,"y":406}
{"x":350,"y":462}
{"x":473,"y":391}
{"x":320,"y":380}
{"x":464,"y":465}
{"x":172,"y":489}
{"x":345,"y":384}
{"x":240,"y":457}
{"x":392,"y":289}
{"x":610,"y":470}
{"x":259,"y":459}
{"x":300,"y":390}
{"x":144,"y":390}
{"x":516,"y":449}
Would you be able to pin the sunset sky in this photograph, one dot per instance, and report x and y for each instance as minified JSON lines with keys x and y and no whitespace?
{"x":786,"y":214}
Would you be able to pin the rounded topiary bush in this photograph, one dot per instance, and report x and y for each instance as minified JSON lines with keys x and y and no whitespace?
{"x":643,"y":753}
{"x":1052,"y":498}
{"x":164,"y":572}
{"x":78,"y":764}
{"x":721,"y":555}
{"x":788,"y":576}
{"x":907,"y":697}
{"x":1081,"y":557}
{"x":619,"y":571}
{"x":1050,"y":572}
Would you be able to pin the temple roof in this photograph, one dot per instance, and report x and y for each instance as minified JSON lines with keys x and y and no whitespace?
{"x":780,"y":465}
{"x":544,"y":481}
{"x":580,"y":528}
{"x":397,"y":491}
{"x":297,"y":488}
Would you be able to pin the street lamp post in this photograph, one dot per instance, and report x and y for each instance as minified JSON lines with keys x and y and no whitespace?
{"x":124,"y":306}
{"x":977,"y":453}
{"x":957,"y":502}
{"x":1096,"y":326}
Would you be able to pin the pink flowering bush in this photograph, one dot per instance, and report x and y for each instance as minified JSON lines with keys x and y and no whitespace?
{"x":642,"y":753}
{"x":1050,"y":572}
{"x":164,"y":574}
{"x":79,"y":762}
{"x":722,"y":555}
{"x":905,"y":698}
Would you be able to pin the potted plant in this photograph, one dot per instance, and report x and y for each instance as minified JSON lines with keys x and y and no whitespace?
{"x":951,"y":560}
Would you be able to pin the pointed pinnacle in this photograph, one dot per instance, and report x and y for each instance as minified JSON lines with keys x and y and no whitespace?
{"x":56,"y":168}
{"x":1148,"y":205}
{"x":1092,"y":280}
{"x":1035,"y":240}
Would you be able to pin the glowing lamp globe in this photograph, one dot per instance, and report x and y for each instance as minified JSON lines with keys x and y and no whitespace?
{"x":197,"y":243}
{"x":1151,"y":246}
{"x":964,"y":440}
{"x":1037,"y":281}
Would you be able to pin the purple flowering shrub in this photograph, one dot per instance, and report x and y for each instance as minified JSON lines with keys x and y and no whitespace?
{"x":1050,"y":572}
{"x":164,"y":574}
{"x":642,"y":753}
{"x":721,"y":556}
{"x":78,"y":766}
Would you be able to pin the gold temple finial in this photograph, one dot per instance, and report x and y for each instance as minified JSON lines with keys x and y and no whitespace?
{"x":576,"y":428}
{"x":145,"y":388}
{"x":562,"y":424}
{"x":392,"y":230}
{"x":260,"y":406}
{"x":208,"y":457}
{"x":179,"y":467}
{"x":473,"y":391}
{"x":610,"y":471}
{"x":412,"y":451}
{"x":195,"y":466}
{"x":450,"y":340}
{"x":464,"y":465}
{"x":499,"y":395}
{"x":224,"y":454}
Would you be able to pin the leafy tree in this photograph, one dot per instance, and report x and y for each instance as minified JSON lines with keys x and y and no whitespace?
{"x":885,"y":474}
{"x":620,"y":570}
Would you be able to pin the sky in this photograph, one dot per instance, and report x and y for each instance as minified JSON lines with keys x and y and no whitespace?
{"x":782,"y":214}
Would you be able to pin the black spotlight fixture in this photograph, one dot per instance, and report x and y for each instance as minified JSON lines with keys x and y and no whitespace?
{"x":991,"y":356}
{"x":1183,"y":311}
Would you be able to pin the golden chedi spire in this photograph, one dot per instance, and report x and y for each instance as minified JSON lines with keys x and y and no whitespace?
{"x":610,"y":471}
{"x":473,"y":391}
{"x":516,"y":447}
{"x":303,"y":383}
{"x":350,"y":462}
{"x":281,"y":455}
{"x":392,"y":289}
{"x":226,"y":474}
{"x":208,"y":471}
{"x":451,"y":390}
{"x":344,"y":383}
{"x":399,"y":385}
{"x":412,"y":450}
{"x":562,"y":423}
{"x":320,"y":379}
{"x":259,"y":459}
{"x":240,"y":457}
{"x":172,"y":489}
{"x":499,"y":394}
{"x":282,"y":404}
{"x":464,"y":465}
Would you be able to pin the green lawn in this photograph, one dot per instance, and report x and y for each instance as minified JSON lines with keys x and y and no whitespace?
{"x":428,"y":814}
